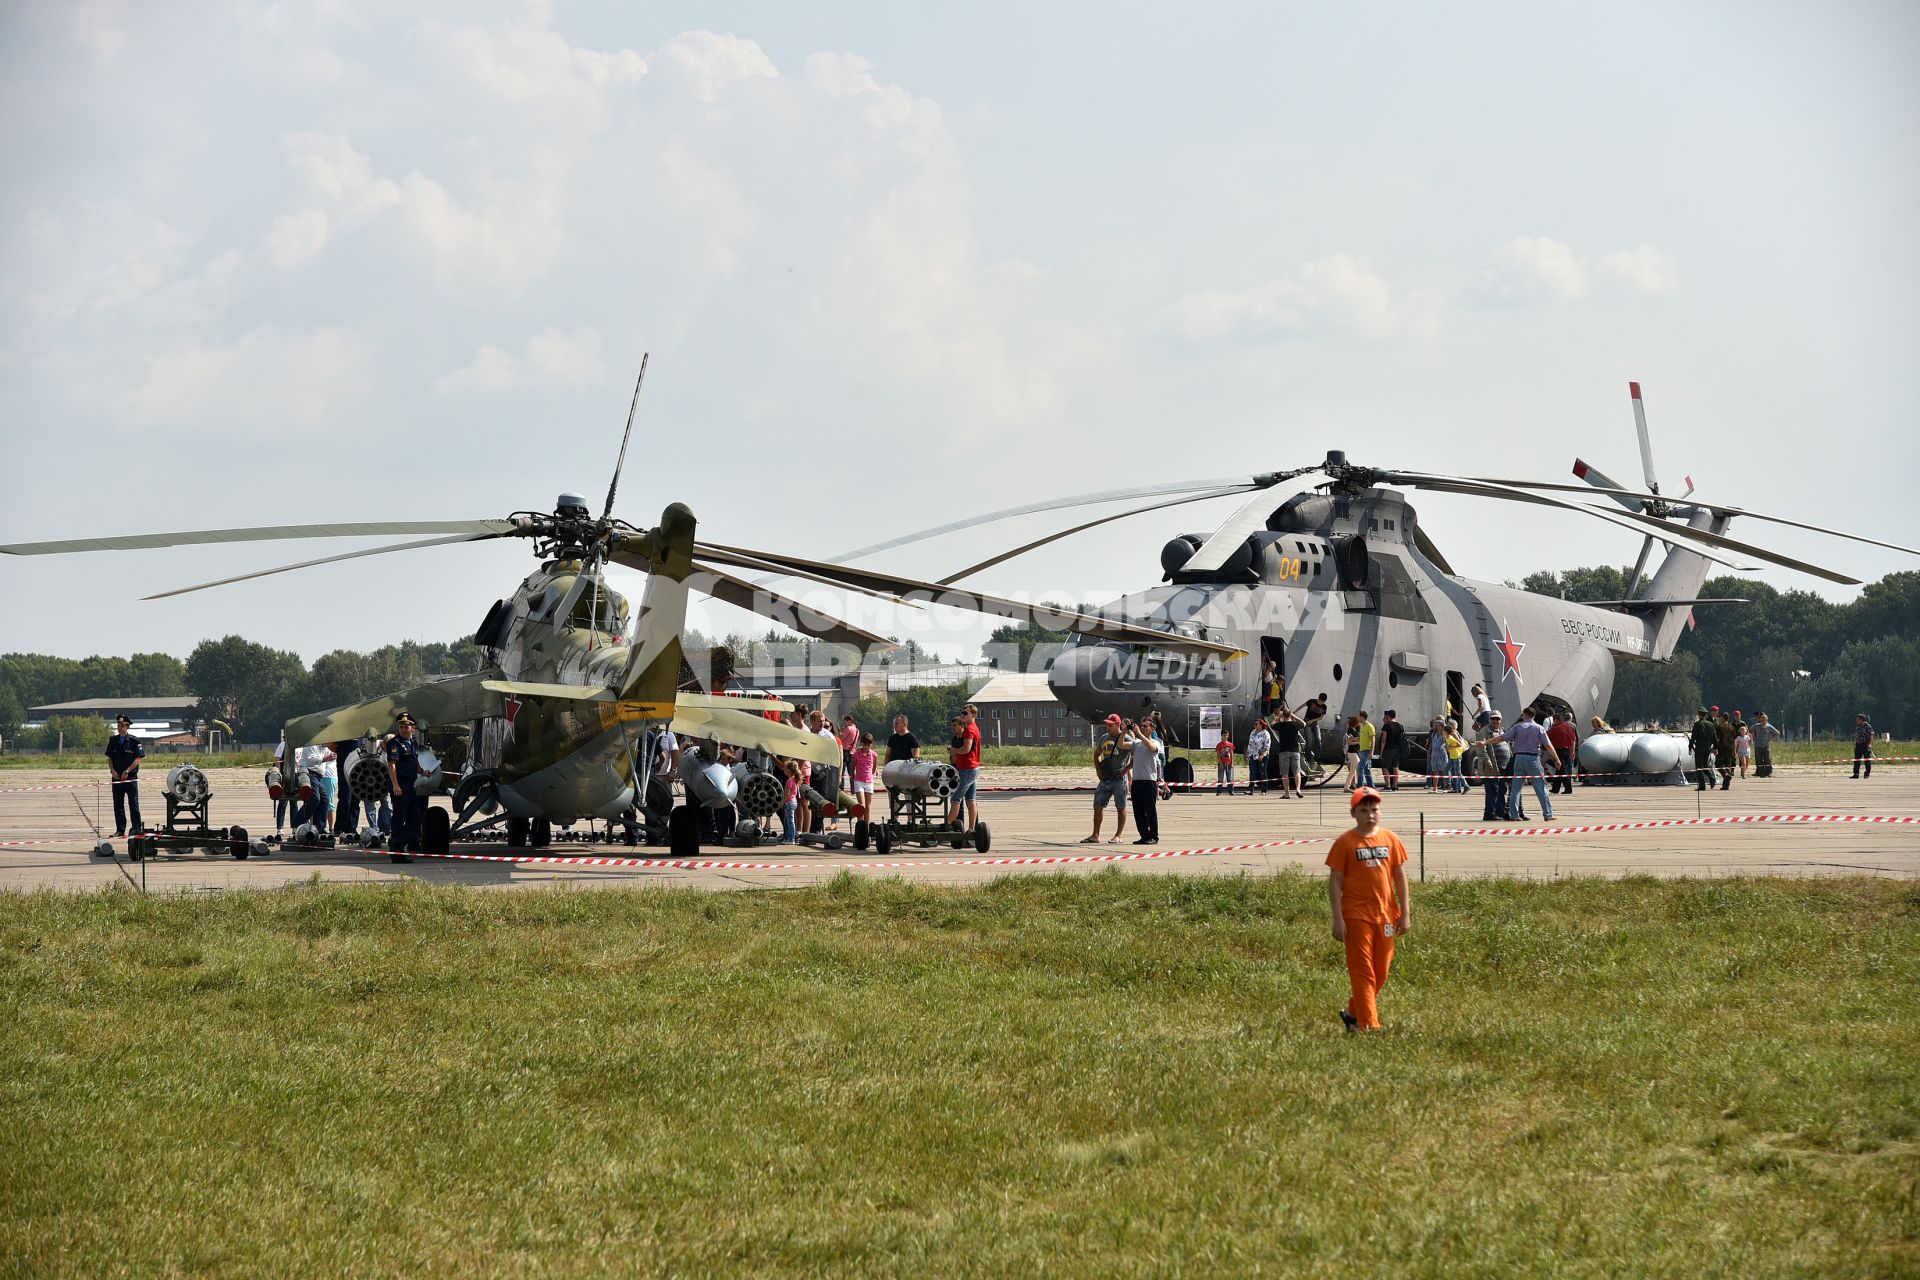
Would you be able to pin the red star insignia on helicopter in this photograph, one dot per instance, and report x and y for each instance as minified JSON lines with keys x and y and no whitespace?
{"x":512,"y":708}
{"x":1509,"y":652}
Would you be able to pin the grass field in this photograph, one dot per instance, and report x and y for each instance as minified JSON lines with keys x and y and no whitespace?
{"x":1113,"y":1075}
{"x":153,"y":768}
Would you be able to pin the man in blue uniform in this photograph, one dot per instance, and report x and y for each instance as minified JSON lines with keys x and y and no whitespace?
{"x":403,"y":770}
{"x":123,"y":754}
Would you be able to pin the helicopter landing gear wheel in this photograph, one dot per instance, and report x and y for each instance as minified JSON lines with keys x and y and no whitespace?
{"x":436,"y":832}
{"x":516,"y":833}
{"x":683,"y":833}
{"x":1180,"y":771}
{"x":540,"y":834}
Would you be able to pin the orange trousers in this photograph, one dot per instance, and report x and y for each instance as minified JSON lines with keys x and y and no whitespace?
{"x":1369,"y":956}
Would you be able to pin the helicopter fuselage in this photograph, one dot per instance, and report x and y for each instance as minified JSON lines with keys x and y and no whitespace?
{"x":1339,"y":595}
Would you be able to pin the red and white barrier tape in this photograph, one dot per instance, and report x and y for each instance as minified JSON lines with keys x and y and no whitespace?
{"x":1793,"y":819}
{"x":715,"y":864}
{"x":65,"y":786}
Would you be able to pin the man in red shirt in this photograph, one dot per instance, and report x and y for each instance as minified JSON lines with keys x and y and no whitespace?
{"x":1367,"y":888}
{"x":965,"y":749}
{"x":1566,"y":741}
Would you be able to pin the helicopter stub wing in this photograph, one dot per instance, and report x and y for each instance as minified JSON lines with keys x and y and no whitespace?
{"x":437,"y":702}
{"x":747,"y":729}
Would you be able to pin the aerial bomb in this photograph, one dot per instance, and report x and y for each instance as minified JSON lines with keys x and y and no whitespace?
{"x":1604,"y":753}
{"x":713,"y":785}
{"x":187,"y":784}
{"x":431,"y":775}
{"x":1634,"y":757}
{"x":924,"y":777}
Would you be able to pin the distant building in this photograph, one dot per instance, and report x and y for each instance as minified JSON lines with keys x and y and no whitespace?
{"x":163,"y":721}
{"x":1017,"y":709}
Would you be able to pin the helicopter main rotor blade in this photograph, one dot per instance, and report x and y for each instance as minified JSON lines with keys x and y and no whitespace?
{"x":308,"y":564}
{"x":1054,"y":504}
{"x":1620,"y":494}
{"x":137,"y":542}
{"x":1037,"y":543}
{"x":804,"y":618}
{"x":1639,"y":523}
{"x":1431,"y":552}
{"x":621,"y":462}
{"x":981,"y":602}
{"x":1224,"y":541}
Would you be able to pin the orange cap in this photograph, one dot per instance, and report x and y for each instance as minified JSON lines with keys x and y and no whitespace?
{"x":1359,"y":794}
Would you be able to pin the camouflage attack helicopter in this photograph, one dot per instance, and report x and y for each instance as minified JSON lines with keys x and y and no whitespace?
{"x":1344,"y":591}
{"x":558,"y":719}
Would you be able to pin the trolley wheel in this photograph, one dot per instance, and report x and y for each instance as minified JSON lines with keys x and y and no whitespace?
{"x":436,"y":831}
{"x":516,"y":833}
{"x":862,"y":835}
{"x":883,"y":839}
{"x":237,"y":843}
{"x":683,"y":832}
{"x":136,"y":848}
{"x":982,"y":838}
{"x":540,"y":833}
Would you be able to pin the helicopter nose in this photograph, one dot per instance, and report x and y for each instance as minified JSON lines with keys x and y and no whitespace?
{"x":1082,"y":677}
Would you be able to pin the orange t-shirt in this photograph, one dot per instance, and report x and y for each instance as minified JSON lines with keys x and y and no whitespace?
{"x":1367,"y":862}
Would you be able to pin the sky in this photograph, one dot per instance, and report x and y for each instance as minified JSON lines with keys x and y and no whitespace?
{"x":895,"y":265}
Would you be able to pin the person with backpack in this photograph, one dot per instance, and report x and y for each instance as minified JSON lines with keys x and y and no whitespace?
{"x":1112,"y":762}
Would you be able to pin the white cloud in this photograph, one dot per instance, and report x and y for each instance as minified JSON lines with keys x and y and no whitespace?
{"x":508,"y":239}
{"x":533,"y":66}
{"x":1532,"y":269}
{"x":1340,"y":294}
{"x":296,"y":237}
{"x":1644,"y":268}
{"x":709,"y":63}
{"x":264,"y":378}
{"x":328,"y":164}
{"x":553,"y":360}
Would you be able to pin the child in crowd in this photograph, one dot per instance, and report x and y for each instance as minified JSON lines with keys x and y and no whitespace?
{"x":1743,"y":749}
{"x":790,"y":802}
{"x":1223,"y":766}
{"x":860,"y":766}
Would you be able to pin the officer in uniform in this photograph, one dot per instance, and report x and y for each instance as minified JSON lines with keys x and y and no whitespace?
{"x":403,"y":769}
{"x":1705,"y":738}
{"x":124,"y":753}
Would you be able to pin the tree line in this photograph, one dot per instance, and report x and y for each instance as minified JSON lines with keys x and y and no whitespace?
{"x":1792,"y":654}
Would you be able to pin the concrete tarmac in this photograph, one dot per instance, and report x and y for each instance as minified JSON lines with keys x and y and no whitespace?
{"x":48,"y":825}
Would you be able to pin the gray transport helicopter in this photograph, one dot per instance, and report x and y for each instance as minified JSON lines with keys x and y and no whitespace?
{"x":1345,"y":592}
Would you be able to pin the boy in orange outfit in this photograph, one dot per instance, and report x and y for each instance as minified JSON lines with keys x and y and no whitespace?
{"x":1368,"y":893}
